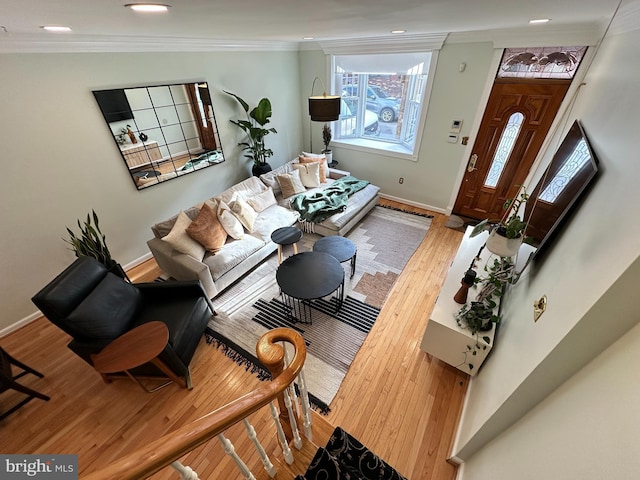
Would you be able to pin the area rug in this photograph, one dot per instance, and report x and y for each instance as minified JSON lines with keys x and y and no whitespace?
{"x":385,"y":241}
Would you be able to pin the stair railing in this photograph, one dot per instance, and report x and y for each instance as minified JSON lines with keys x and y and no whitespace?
{"x":166,"y":450}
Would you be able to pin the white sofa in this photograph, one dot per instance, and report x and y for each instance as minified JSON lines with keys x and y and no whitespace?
{"x":358,"y":205}
{"x":237,"y":257}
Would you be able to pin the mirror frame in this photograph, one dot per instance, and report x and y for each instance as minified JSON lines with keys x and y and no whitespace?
{"x":162,"y":131}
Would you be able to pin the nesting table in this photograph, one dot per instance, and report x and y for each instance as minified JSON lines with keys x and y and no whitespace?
{"x":341,"y":248}
{"x":309,"y":276}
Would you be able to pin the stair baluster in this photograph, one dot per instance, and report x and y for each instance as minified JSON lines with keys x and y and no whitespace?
{"x":268,"y":466}
{"x":306,"y":407}
{"x":286,"y":451}
{"x":297,"y":441}
{"x":186,"y":473}
{"x":229,"y":449}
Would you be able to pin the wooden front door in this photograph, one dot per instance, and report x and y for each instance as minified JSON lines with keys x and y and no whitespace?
{"x":515,"y":123}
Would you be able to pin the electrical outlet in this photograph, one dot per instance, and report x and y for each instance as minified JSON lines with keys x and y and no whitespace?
{"x":401,"y":181}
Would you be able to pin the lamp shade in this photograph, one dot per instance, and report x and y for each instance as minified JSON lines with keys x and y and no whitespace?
{"x":324,"y":108}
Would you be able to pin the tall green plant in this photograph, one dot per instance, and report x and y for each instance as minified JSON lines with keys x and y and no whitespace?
{"x":254,"y":127}
{"x":91,"y":242}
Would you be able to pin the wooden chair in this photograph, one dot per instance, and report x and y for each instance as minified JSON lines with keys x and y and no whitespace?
{"x":8,"y":381}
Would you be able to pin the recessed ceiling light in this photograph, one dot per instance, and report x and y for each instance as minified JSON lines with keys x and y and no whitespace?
{"x":539,"y":20}
{"x":55,"y":28}
{"x":308,"y":38}
{"x":398,"y":31}
{"x":148,"y":7}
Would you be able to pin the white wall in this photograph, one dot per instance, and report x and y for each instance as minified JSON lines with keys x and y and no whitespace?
{"x":59,"y":160}
{"x":581,"y":275}
{"x":587,"y":429}
{"x":456,"y":95}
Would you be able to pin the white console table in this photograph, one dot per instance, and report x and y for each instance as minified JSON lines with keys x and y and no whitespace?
{"x":443,"y":338}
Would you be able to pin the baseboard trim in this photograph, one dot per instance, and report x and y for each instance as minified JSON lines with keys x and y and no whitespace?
{"x":414,"y":204}
{"x":37,"y":314}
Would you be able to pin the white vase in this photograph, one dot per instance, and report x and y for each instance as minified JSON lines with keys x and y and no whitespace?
{"x":501,"y":245}
{"x":329,"y":155}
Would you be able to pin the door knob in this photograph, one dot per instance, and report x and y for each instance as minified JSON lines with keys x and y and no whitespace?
{"x":472,"y":163}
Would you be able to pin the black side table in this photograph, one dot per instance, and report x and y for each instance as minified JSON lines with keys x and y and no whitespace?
{"x":308,"y":276}
{"x":286,"y":236}
{"x":341,"y":248}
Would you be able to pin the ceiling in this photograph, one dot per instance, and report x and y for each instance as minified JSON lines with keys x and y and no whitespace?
{"x":96,"y":24}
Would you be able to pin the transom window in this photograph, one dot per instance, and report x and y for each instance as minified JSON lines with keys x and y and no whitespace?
{"x":383,"y":99}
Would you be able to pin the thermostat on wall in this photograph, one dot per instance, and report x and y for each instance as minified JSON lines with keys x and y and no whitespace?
{"x":456,"y":126}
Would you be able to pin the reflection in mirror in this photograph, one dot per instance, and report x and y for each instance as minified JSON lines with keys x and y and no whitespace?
{"x":571,"y":171}
{"x":163,"y":131}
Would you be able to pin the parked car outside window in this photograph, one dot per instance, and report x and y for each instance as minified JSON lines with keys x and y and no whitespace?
{"x":378,"y":101}
{"x":348,"y":121}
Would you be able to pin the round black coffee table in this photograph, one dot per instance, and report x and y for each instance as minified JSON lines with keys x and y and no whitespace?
{"x":286,"y":236}
{"x":341,"y":248}
{"x":309,"y":276}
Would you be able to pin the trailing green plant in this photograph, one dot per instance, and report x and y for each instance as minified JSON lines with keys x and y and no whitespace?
{"x":91,"y":242}
{"x":479,"y":316}
{"x":254,"y":127}
{"x":511,"y":225}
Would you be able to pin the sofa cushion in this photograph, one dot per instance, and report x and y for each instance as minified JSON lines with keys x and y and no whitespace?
{"x":290,"y":183}
{"x":179,"y":239}
{"x":243,"y":211}
{"x":234,"y":252}
{"x":262,"y":200}
{"x":162,"y":229}
{"x":207,"y":230}
{"x":322,"y":160}
{"x":106,"y":312}
{"x":229,"y":221}
{"x":309,"y":173}
{"x":270,"y":180}
{"x":271,"y":219}
{"x":245,"y":189}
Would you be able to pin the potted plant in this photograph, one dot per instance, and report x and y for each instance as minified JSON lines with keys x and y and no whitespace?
{"x":254,"y":127}
{"x":91,"y":242}
{"x":507,"y":235}
{"x":326,"y":139}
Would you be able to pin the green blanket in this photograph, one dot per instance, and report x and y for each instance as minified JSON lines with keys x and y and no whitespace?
{"x":318,"y":206}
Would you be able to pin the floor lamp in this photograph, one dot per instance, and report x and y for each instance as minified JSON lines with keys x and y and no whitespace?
{"x":322,"y":108}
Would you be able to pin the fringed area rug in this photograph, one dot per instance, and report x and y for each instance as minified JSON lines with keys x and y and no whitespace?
{"x":385,"y":241}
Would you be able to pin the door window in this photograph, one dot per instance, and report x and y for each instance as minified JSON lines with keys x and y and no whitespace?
{"x":503,"y":151}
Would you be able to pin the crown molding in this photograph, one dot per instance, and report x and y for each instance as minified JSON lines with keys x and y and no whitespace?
{"x":71,"y":43}
{"x":534,"y":36}
{"x":384,"y":44}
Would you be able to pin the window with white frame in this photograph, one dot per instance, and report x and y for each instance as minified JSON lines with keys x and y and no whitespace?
{"x":384,"y":98}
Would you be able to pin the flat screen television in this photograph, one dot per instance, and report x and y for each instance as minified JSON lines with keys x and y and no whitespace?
{"x":571,"y":171}
{"x":114,"y":105}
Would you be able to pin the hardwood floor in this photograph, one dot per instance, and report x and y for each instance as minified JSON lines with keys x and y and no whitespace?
{"x":400,"y":402}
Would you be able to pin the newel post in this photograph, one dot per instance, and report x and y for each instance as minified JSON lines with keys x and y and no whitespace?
{"x":272,"y":355}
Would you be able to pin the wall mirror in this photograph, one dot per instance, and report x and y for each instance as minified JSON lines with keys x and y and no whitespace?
{"x":162,"y":132}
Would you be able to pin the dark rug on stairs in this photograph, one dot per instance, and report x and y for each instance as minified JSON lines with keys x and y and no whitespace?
{"x":346,"y":458}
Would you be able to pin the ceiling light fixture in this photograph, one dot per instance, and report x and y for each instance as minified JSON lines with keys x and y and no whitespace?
{"x":148,"y":7}
{"x":539,"y":20}
{"x":308,"y":38}
{"x":55,"y":28}
{"x":398,"y":31}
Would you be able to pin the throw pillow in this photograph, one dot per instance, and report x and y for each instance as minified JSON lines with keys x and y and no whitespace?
{"x":309,"y":174}
{"x":207,"y":230}
{"x":290,"y":183}
{"x":324,"y":168}
{"x":262,"y":200}
{"x":243,"y":211}
{"x":229,"y":221}
{"x":181,"y":241}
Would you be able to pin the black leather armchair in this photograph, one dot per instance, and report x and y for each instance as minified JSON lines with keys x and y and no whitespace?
{"x":95,"y":307}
